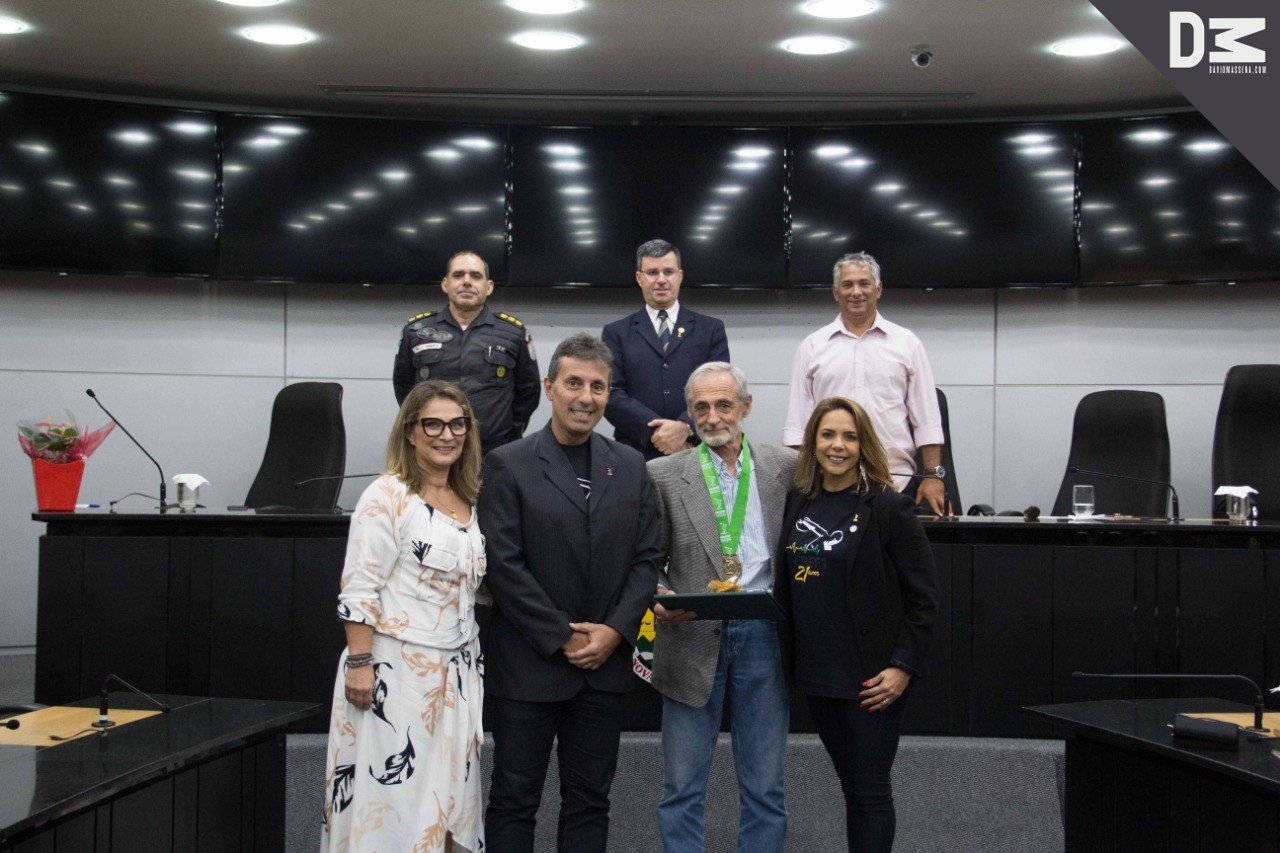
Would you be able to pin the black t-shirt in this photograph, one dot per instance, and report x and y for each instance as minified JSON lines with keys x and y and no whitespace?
{"x":579,"y":456}
{"x":819,"y":562}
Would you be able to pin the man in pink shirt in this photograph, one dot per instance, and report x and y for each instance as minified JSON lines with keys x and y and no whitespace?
{"x":879,"y":365}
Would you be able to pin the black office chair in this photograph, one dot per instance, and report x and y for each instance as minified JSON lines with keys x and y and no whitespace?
{"x":948,"y":461}
{"x":307,"y":439}
{"x":1125,"y":433}
{"x":1247,"y":436}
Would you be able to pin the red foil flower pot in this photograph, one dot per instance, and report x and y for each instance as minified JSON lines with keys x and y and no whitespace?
{"x":57,"y":485}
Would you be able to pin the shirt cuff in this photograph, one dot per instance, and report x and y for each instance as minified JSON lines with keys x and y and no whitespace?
{"x":929,"y":434}
{"x":792,"y":437}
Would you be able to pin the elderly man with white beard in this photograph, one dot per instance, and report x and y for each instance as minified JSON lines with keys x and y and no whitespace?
{"x":720,"y":515}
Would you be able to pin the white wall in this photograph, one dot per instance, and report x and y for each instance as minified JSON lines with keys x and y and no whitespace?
{"x":192,"y":368}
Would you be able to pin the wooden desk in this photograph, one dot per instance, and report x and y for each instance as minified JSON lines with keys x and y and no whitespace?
{"x":241,"y":604}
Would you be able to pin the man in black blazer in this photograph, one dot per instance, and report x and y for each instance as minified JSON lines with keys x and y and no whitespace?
{"x":570,"y":522}
{"x":654,"y":351}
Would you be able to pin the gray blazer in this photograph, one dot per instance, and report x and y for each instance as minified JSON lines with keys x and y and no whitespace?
{"x":685,"y":656}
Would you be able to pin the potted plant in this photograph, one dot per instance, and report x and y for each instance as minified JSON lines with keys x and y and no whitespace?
{"x":58,"y":448}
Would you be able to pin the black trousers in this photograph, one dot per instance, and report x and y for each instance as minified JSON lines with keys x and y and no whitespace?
{"x":586,"y":730}
{"x":862,"y":746}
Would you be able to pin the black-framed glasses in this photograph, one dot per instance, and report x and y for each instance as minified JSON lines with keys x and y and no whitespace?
{"x":432,"y":427}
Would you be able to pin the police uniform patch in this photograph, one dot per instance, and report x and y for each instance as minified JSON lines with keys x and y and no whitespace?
{"x":421,"y":316}
{"x":426,"y":334}
{"x":416,"y":326}
{"x":424,"y":373}
{"x":512,"y":320}
{"x":421,"y":347}
{"x":502,"y":371}
{"x":442,"y":336}
{"x":528,"y":343}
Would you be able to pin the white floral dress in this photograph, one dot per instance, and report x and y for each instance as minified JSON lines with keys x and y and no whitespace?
{"x":405,"y":774}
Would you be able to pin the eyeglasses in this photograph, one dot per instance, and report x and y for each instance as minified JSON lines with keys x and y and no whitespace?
{"x":669,"y":272}
{"x":434,"y":426}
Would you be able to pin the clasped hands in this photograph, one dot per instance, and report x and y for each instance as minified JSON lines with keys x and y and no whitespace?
{"x":884,"y":688}
{"x":590,"y":644}
{"x":669,"y":436}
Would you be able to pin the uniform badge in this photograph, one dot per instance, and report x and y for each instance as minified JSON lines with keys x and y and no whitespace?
{"x":442,"y":336}
{"x":528,"y":343}
{"x":416,"y":326}
{"x":424,"y":373}
{"x":425,"y":334}
{"x":421,"y":347}
{"x":502,"y":371}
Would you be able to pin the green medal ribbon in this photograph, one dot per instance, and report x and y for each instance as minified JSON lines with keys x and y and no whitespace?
{"x":730,"y":527}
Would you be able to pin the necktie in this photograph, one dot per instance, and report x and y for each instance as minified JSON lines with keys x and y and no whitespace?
{"x":664,"y":330}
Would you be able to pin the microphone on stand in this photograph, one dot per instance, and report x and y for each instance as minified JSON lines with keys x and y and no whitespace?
{"x":104,"y":722}
{"x":11,"y":723}
{"x":1259,"y":706}
{"x":1173,"y":493}
{"x":301,"y":483}
{"x":164,"y":504}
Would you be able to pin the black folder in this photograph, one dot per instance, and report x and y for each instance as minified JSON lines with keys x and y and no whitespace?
{"x":752,"y":604}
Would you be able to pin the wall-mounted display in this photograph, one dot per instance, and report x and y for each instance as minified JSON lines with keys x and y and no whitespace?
{"x":96,"y":186}
{"x":356,"y":200}
{"x":972,"y":205}
{"x":1168,"y":199}
{"x":583,"y":199}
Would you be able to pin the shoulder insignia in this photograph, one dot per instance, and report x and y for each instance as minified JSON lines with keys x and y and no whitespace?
{"x":421,"y":316}
{"x":512,"y":320}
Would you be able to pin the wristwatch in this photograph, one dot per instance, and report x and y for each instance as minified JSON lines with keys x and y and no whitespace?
{"x":936,"y":471}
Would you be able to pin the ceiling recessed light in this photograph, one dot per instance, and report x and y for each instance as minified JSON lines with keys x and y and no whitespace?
{"x":752,"y":152}
{"x":252,"y":2}
{"x":545,"y":7}
{"x":1207,"y":146}
{"x":538,"y":40}
{"x":1087,"y":46}
{"x":475,"y":143}
{"x":815,"y":45}
{"x":285,"y":130}
{"x":560,"y":150}
{"x":1149,"y":135}
{"x":396,"y":175}
{"x":830,"y":152}
{"x":567,"y":165}
{"x":191,"y":128}
{"x":444,"y":154}
{"x":278,"y":34}
{"x":746,"y":166}
{"x":1157,"y":181}
{"x":12,"y":26}
{"x":839,"y":8}
{"x":193,"y":174}
{"x":134,"y":137}
{"x":1031,"y":139}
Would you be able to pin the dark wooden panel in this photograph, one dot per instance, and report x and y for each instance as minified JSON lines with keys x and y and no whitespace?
{"x":45,"y":842}
{"x":126,"y":604}
{"x":142,"y":822}
{"x":186,"y":810}
{"x":929,"y":707}
{"x":1273,"y":619}
{"x":1221,"y":618}
{"x":269,"y":797}
{"x":1166,"y":623}
{"x":1146,"y":591}
{"x":76,"y":834}
{"x":961,"y":638}
{"x":1234,"y":818}
{"x":248,"y":768}
{"x":318,"y":638}
{"x":250,"y":615}
{"x":1093,"y":621}
{"x":179,"y":625}
{"x":220,"y":800}
{"x":1089,"y":825}
{"x":59,"y":619}
{"x":1142,"y":804}
{"x":1012,"y":640}
{"x":102,"y":828}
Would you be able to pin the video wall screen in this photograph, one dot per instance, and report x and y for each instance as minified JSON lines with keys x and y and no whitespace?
{"x":976,"y":205}
{"x":1169,"y":199}
{"x":360,"y":200}
{"x":583,"y":200}
{"x":97,"y":186}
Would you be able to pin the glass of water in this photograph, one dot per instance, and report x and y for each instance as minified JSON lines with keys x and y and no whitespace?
{"x":1082,"y":501}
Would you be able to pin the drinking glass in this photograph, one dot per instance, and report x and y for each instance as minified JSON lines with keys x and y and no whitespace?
{"x":1082,"y":500}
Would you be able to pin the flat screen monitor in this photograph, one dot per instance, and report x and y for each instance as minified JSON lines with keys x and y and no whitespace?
{"x":381,"y":201}
{"x":938,"y":205}
{"x":583,"y":200}
{"x":1169,"y":199}
{"x":95,"y":186}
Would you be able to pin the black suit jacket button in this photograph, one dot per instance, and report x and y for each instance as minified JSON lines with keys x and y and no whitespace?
{"x":862,"y":632}
{"x":666,"y":366}
{"x":666,"y":392}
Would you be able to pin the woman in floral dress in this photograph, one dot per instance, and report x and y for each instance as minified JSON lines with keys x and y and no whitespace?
{"x":402,"y":772}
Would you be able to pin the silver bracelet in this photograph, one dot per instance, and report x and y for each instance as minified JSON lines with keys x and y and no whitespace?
{"x":358,"y":661}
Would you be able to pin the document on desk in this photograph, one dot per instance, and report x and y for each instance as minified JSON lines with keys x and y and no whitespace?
{"x":40,"y":728}
{"x":1270,"y":720}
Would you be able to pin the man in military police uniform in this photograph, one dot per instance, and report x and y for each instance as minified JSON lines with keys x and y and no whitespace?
{"x":489,"y":354}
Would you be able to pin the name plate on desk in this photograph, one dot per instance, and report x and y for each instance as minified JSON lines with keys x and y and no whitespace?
{"x":754,"y":604}
{"x":59,"y":724}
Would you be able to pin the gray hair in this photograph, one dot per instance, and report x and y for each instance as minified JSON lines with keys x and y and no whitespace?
{"x":582,"y":346}
{"x":656,"y":249}
{"x":861,"y":259}
{"x":739,"y":380}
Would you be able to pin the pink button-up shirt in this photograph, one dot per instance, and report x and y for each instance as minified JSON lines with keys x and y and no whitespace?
{"x":885,"y":371}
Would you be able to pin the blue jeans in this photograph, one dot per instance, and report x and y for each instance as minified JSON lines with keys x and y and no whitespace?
{"x":749,"y":671}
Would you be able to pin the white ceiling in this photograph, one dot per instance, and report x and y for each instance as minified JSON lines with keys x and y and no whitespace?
{"x":643,"y":60}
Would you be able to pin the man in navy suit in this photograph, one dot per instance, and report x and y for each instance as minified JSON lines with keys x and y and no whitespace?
{"x":654,"y":351}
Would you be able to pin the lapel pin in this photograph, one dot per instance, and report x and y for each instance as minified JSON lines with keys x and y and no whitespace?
{"x":680,"y":332}
{"x":608,"y":472}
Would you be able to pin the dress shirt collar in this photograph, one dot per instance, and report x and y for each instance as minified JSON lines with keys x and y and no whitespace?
{"x":672,"y":313}
{"x":838,"y":327}
{"x":722,"y":468}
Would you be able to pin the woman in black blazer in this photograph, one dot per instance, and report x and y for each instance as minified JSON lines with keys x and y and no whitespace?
{"x":861,"y":594}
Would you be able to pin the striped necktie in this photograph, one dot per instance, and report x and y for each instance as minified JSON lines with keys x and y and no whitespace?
{"x":664,"y":330}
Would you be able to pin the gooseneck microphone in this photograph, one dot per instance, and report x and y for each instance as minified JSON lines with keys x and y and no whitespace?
{"x":105,"y":722}
{"x":1173,"y":493}
{"x":1258,"y":704}
{"x":301,"y":483}
{"x":164,"y":504}
{"x":11,"y":723}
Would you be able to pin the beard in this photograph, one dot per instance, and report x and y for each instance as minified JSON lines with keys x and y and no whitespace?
{"x":720,"y":438}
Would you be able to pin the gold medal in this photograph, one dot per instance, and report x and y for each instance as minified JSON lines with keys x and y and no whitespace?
{"x":732,"y":567}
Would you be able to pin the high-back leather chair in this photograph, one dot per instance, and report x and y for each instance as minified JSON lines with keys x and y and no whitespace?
{"x":1246,"y":440}
{"x":1119,"y":432}
{"x":948,"y":460}
{"x":307,"y":439}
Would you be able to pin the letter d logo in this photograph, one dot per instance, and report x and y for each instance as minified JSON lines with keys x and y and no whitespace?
{"x":1177,"y":20}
